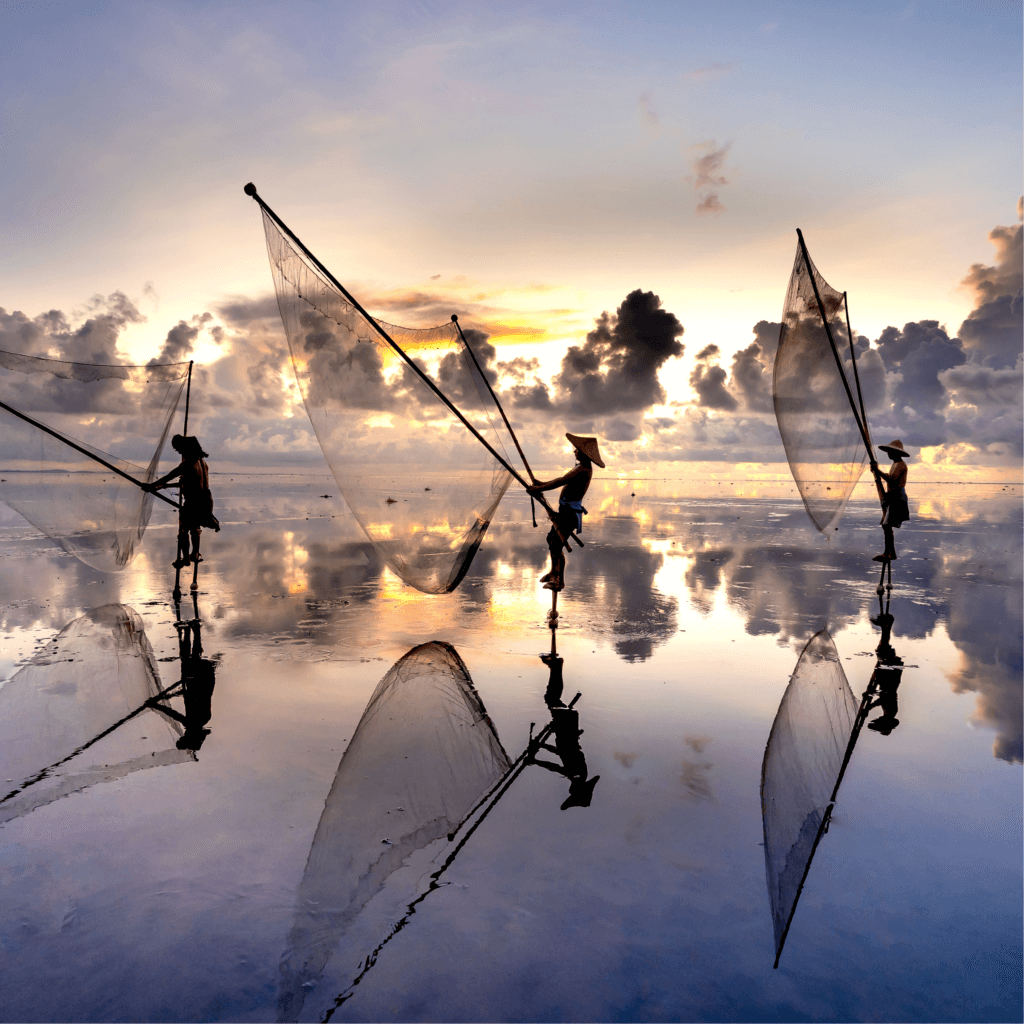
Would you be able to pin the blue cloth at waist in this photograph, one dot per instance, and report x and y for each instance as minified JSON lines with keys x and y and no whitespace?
{"x":577,"y":507}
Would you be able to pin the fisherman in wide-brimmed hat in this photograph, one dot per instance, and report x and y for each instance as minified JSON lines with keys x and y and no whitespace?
{"x":895,"y":507}
{"x":569,"y":518}
{"x":197,"y":499}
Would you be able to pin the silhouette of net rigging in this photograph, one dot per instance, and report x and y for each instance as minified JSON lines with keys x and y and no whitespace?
{"x":819,"y":430}
{"x":802,"y":761}
{"x":91,"y":511}
{"x":421,"y":486}
{"x":76,"y":715}
{"x":423,"y":754}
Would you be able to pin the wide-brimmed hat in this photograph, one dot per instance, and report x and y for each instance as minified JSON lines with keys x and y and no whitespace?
{"x":587,"y":445}
{"x":897,"y":447}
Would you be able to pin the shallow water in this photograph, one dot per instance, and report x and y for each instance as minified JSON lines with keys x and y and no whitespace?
{"x":179,"y":888}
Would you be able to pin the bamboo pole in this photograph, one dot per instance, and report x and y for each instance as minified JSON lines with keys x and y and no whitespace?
{"x":84,"y":451}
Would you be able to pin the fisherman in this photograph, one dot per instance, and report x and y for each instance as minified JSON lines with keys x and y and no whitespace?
{"x":196,"y":498}
{"x":895,"y":508}
{"x":569,"y":518}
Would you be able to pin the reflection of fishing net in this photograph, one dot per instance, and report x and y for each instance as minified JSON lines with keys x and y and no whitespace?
{"x":823,"y":443}
{"x":802,"y":762}
{"x":423,"y":754}
{"x":63,"y":716}
{"x":91,"y":511}
{"x":420,"y":485}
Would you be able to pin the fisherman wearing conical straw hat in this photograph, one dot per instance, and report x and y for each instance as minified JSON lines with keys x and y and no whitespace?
{"x":569,"y":517}
{"x":895,"y":507}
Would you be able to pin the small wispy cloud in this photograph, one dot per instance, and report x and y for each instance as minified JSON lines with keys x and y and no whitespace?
{"x":710,"y":72}
{"x":647,"y":111}
{"x":709,"y":165}
{"x":769,"y":27}
{"x":708,"y":177}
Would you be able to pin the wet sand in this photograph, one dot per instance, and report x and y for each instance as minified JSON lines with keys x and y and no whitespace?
{"x":175,"y":890}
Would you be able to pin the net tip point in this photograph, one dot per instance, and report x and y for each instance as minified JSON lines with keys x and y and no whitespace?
{"x":250,"y":189}
{"x":455,"y":318}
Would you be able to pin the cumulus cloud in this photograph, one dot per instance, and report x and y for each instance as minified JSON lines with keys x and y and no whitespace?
{"x":616,"y":369}
{"x":919,"y":382}
{"x":991,"y":334}
{"x":52,"y":336}
{"x":181,"y":339}
{"x":708,"y":380}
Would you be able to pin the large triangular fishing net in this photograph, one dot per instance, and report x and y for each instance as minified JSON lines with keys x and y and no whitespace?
{"x":824,"y":446}
{"x":802,"y":761}
{"x":420,"y":485}
{"x":423,"y":755}
{"x":77,"y":714}
{"x":54,"y":480}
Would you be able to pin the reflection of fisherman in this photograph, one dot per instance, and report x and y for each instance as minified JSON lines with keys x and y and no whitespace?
{"x":198,"y":677}
{"x":569,"y":517}
{"x":885,"y":680}
{"x":895,"y":507}
{"x":565,"y":723}
{"x":196,"y":498}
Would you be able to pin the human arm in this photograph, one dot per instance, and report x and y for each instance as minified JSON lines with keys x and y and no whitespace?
{"x":164,"y":480}
{"x":550,"y":485}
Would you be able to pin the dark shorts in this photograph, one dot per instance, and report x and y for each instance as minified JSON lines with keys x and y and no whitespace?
{"x":897,"y":509}
{"x":566,"y":519}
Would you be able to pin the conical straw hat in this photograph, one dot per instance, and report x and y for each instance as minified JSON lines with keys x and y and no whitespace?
{"x":895,"y":446}
{"x":587,"y":445}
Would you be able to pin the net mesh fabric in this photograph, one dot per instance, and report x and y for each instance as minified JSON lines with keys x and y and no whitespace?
{"x":61,"y":715}
{"x":421,"y":486}
{"x":823,"y":443}
{"x":91,"y":511}
{"x":422,"y":756}
{"x":802,"y":761}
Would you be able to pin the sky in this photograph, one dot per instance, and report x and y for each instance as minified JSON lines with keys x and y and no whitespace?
{"x":608,"y":192}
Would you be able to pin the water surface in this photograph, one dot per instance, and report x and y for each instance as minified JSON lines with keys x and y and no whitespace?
{"x":179,"y":868}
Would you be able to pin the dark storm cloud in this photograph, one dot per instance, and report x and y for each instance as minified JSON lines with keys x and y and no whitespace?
{"x":616,"y":369}
{"x":752,"y":378}
{"x":708,"y":380}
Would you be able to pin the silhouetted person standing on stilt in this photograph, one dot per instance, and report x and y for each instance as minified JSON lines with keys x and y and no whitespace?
{"x":196,"y":497}
{"x":896,"y":509}
{"x":569,"y":517}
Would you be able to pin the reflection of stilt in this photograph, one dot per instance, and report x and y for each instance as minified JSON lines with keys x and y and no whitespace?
{"x":553,"y":617}
{"x":886,"y":567}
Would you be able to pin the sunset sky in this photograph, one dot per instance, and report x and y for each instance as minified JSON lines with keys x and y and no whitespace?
{"x":529,"y":167}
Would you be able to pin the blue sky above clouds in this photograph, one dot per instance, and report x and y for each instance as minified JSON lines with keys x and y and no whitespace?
{"x":529,"y":167}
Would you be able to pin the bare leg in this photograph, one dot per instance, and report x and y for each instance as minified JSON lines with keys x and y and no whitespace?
{"x":890,"y":543}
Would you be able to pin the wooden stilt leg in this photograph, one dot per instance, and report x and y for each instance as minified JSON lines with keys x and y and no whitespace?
{"x":195,"y":578}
